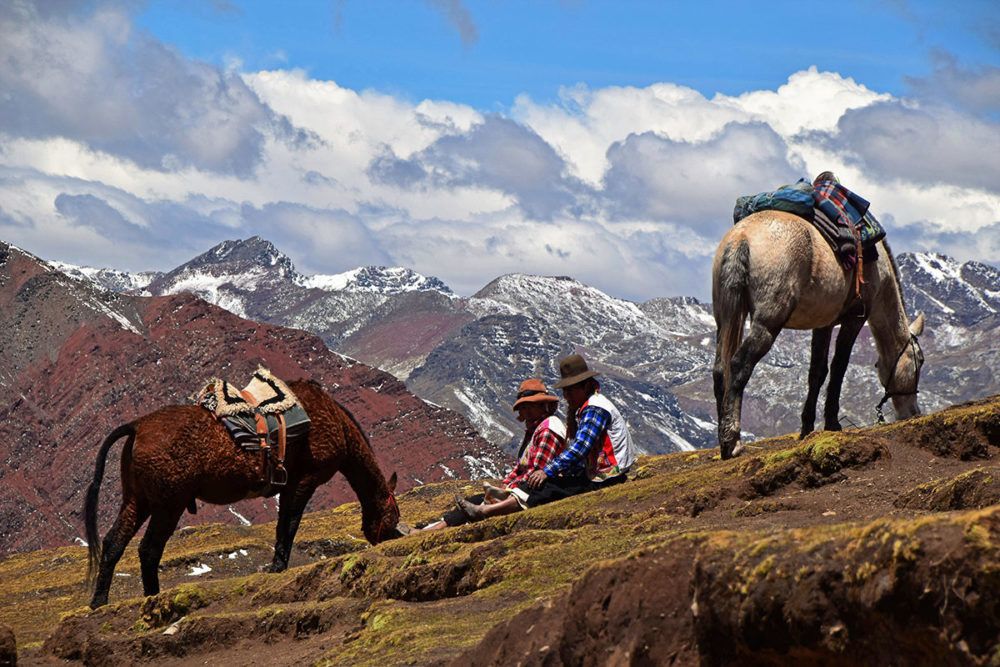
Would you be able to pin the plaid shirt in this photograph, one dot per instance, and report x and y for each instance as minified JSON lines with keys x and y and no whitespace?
{"x":592,"y":423}
{"x":545,"y":445}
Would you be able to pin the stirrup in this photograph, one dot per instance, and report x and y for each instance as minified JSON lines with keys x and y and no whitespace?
{"x":279,"y":475}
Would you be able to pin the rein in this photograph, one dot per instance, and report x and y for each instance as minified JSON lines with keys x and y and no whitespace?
{"x":889,"y":394}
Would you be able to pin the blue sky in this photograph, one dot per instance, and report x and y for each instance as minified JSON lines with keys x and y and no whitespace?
{"x":602,"y":140}
{"x":416,"y":50}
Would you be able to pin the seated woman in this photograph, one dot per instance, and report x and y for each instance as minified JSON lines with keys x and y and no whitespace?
{"x":544,"y":438}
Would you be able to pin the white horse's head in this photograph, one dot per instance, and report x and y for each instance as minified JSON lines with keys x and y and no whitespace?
{"x":901,"y":376}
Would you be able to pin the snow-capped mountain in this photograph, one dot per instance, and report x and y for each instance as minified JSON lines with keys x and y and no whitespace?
{"x":528,"y":323}
{"x":468,"y":354}
{"x":956,"y":293}
{"x":253,"y":279}
{"x":112,"y":280}
{"x":77,"y":360}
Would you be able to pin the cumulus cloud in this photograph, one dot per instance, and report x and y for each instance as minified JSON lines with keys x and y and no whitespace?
{"x":923,"y":145}
{"x":696,"y":183}
{"x":973,"y":89}
{"x":497,"y":153}
{"x":982,"y":244}
{"x":586,"y":122}
{"x":89,"y":75}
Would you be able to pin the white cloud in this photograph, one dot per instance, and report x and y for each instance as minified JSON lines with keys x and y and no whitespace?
{"x":625,"y":188}
{"x":695,"y":183}
{"x":91,"y":76}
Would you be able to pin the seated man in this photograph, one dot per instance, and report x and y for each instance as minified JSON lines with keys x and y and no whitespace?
{"x":544,"y":438}
{"x":599,"y":453}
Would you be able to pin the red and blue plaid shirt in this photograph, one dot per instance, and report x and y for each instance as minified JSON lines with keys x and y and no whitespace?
{"x":545,"y":445}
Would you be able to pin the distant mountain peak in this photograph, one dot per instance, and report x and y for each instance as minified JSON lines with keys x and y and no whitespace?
{"x":254,"y":251}
{"x":112,"y":280}
{"x":949,"y":290}
{"x":379,"y":279}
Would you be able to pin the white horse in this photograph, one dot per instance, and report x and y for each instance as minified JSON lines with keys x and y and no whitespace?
{"x":777,"y":270}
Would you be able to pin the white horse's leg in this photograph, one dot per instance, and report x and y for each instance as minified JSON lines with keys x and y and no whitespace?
{"x":755,"y":345}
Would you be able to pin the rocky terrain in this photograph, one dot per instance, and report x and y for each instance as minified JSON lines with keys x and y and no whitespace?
{"x":468,"y":353}
{"x":76,"y":361}
{"x":866,"y":547}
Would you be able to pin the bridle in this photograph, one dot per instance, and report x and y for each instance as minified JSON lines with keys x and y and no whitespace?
{"x":389,"y":504}
{"x":912,"y":343}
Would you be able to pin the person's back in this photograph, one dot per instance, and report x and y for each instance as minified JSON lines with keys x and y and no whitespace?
{"x":614,"y":454}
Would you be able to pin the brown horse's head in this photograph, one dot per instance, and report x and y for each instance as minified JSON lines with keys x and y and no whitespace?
{"x":901,"y":376}
{"x":383,"y":523}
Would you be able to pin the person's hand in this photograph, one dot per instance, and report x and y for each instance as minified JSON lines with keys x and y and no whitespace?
{"x":536,"y":479}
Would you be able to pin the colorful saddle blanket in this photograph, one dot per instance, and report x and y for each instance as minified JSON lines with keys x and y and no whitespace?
{"x":840,"y":216}
{"x":239,"y":416}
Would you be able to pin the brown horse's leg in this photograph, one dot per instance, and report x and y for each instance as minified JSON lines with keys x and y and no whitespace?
{"x":755,"y":345}
{"x":293,"y":504}
{"x":850,"y":327}
{"x":161,"y":527}
{"x":131,"y":515}
{"x":818,"y":368}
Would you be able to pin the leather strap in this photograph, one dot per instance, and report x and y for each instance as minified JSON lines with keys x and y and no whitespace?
{"x":258,"y":418}
{"x":282,"y":438}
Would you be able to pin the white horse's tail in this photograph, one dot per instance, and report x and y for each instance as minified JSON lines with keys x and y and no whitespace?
{"x":731,"y":299}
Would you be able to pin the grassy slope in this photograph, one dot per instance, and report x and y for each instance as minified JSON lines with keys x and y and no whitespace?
{"x":429,"y":597}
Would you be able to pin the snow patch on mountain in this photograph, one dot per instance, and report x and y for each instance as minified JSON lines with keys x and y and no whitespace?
{"x":108,"y":279}
{"x":378,"y":279}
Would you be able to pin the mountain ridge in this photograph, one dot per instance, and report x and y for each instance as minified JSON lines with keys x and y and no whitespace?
{"x":450,"y":349}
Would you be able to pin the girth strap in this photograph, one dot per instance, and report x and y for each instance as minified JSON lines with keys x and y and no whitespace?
{"x":278,"y":474}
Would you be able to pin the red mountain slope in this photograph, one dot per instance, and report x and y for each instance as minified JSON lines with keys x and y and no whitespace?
{"x":75,"y":362}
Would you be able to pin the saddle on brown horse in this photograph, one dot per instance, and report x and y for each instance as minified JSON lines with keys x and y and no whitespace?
{"x":263,"y":416}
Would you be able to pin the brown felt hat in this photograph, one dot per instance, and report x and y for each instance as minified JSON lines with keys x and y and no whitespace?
{"x":533,"y":390}
{"x":573,"y":370}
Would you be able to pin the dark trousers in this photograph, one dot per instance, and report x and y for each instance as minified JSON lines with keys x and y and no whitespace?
{"x":558,"y":488}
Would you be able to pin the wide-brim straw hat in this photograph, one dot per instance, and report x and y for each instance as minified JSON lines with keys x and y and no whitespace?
{"x":533,"y":390}
{"x":573,"y":370}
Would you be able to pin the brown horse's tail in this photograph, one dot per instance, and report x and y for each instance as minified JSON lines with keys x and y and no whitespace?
{"x":93,"y":493}
{"x":731,"y":298}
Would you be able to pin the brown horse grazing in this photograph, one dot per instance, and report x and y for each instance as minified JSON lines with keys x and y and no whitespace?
{"x":776,"y":269}
{"x":180,"y":453}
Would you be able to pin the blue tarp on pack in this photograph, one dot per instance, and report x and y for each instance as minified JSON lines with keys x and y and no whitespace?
{"x":795,"y":198}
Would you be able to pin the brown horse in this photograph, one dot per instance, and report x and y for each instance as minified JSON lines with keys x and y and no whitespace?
{"x":181,"y":453}
{"x":776,"y":269}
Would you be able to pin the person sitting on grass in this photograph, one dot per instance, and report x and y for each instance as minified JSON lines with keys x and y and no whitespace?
{"x":544,"y":438}
{"x":599,"y":452}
